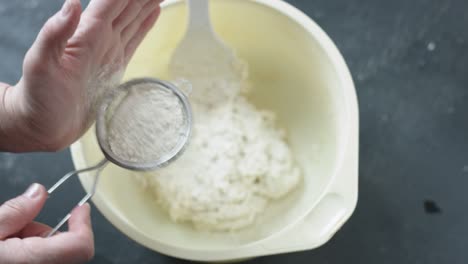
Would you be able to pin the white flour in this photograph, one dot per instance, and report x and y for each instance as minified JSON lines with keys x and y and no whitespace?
{"x":214,"y":84}
{"x":147,"y":124}
{"x":237,"y":161}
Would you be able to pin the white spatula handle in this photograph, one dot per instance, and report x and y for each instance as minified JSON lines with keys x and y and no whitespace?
{"x":199,"y":16}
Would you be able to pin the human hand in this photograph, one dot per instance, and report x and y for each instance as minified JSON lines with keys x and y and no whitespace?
{"x":75,"y":58}
{"x":22,"y":240}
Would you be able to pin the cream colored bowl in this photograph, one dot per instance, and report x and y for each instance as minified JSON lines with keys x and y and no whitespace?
{"x":295,"y":70}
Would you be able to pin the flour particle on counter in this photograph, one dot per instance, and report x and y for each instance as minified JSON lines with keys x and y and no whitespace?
{"x":465,"y":168}
{"x":431,"y":46}
{"x":384,"y":118}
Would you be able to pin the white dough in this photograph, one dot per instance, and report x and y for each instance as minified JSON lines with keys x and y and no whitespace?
{"x":237,"y":161}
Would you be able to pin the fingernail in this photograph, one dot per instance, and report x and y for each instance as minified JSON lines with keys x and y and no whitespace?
{"x":66,"y":8}
{"x":87,"y":206}
{"x":33,"y":191}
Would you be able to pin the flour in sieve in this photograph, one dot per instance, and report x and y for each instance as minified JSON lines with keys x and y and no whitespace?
{"x":147,"y":124}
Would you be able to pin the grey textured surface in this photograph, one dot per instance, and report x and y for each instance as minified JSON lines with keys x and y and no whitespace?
{"x":410,"y":63}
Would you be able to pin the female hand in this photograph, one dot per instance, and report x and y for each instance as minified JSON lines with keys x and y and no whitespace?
{"x":76,"y":56}
{"x":22,"y":240}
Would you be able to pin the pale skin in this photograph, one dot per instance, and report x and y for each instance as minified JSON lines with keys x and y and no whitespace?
{"x":49,"y":108}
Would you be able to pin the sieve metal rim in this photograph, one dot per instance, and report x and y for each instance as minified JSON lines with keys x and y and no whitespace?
{"x":101,"y":131}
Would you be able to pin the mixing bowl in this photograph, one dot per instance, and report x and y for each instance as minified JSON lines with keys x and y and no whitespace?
{"x":296,"y":71}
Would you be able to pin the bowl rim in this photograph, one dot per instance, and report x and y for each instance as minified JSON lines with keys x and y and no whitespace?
{"x":350,"y":115}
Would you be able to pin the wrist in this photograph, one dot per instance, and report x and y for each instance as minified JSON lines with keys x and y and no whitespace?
{"x":14,"y":135}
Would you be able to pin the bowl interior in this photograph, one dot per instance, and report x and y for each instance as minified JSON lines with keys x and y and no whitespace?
{"x":290,"y":73}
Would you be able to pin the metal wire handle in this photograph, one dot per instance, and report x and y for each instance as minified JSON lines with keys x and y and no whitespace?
{"x":101,"y":133}
{"x":98,"y":167}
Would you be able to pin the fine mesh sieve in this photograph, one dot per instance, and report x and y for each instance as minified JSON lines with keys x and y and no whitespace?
{"x":109,"y":111}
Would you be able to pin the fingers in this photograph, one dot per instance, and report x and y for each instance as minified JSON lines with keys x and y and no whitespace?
{"x":52,"y":39}
{"x":106,"y":10}
{"x":129,"y":14}
{"x":140,"y":35}
{"x":74,"y":246}
{"x":80,"y":222}
{"x":129,"y":31}
{"x":16,"y":213}
{"x":116,"y":37}
{"x":34,"y":229}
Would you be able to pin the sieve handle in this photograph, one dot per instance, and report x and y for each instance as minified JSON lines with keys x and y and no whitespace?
{"x":98,"y":167}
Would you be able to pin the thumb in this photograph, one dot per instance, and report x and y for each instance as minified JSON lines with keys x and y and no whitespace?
{"x":16,"y":213}
{"x":52,"y":39}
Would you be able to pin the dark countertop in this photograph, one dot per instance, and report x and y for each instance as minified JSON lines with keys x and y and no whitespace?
{"x":410,"y":64}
